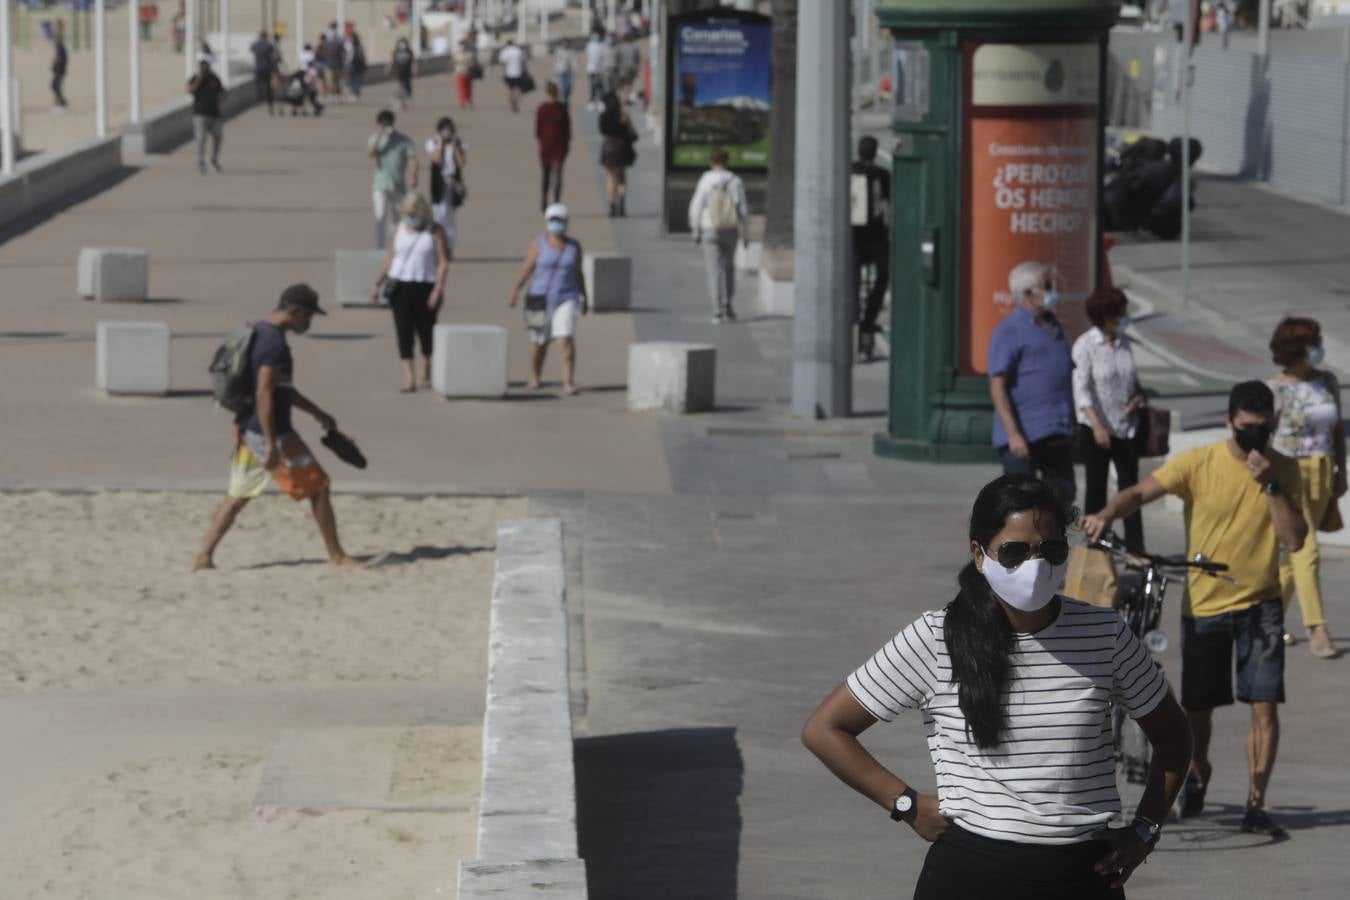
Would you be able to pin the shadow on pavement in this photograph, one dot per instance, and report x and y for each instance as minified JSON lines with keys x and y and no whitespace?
{"x":419,"y":553}
{"x":658,"y":813}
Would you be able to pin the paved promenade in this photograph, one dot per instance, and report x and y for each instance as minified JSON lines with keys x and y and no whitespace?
{"x":726,"y":570}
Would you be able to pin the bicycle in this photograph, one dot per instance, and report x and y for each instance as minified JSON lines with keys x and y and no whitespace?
{"x":1139,"y":600}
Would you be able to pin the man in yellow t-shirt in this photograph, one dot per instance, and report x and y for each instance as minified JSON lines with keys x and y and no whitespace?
{"x":1243,"y":501}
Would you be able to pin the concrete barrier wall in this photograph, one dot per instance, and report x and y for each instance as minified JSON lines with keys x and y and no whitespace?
{"x":50,"y":179}
{"x":527,"y":823}
{"x":47,"y":179}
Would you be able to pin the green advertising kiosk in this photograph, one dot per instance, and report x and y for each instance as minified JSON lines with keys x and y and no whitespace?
{"x":997,"y":122}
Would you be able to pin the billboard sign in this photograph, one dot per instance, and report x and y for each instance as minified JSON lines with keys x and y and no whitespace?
{"x":1033,"y":156}
{"x":718,"y":88}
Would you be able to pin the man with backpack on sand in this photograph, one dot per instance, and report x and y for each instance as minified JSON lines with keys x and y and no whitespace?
{"x":252,"y":376}
{"x":718,"y":215}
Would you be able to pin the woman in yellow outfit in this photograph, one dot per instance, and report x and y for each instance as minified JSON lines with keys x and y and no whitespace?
{"x":1308,"y":403}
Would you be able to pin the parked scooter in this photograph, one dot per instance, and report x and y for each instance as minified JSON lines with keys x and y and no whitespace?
{"x":1142,"y":185}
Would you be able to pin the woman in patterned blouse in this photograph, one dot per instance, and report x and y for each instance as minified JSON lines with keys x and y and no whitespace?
{"x":1106,"y":398}
{"x":1308,"y":403}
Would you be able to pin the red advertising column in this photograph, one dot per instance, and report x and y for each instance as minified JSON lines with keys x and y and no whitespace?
{"x":1031,"y":154}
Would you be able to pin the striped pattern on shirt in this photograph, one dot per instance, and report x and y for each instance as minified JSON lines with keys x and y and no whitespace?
{"x":1052,"y":779}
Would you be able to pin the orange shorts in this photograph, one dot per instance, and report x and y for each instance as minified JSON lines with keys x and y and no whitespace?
{"x":299,"y":474}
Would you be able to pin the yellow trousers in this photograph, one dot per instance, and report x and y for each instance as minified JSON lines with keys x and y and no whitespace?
{"x":1300,"y":572}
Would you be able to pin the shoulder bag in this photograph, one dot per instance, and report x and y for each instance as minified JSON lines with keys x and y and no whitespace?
{"x":1155,"y":427}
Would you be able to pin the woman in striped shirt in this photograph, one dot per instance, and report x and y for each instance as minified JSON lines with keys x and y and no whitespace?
{"x":1015,"y":684}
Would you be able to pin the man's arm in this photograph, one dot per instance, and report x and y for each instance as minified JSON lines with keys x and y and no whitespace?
{"x":411,"y":171}
{"x":300,"y":401}
{"x":375,"y":145}
{"x":1122,"y":506}
{"x":1003,"y":408}
{"x":696,"y":204}
{"x":262,"y":398}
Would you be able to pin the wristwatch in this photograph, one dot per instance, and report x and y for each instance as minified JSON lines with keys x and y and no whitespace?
{"x":1147,"y":831}
{"x":1271,"y":488}
{"x":903,"y":804}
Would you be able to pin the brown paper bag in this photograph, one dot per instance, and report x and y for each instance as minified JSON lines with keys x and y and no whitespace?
{"x":1091,"y":577}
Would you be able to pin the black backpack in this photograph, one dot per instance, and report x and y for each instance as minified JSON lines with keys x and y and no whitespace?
{"x":231,"y":371}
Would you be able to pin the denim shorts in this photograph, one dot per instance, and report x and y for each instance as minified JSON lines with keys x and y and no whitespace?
{"x":1207,"y":645}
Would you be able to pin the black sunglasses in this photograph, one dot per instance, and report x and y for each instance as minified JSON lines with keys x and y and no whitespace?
{"x":1011,"y":554}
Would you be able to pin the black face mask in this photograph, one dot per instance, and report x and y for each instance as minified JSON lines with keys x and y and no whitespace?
{"x":1252,"y":437}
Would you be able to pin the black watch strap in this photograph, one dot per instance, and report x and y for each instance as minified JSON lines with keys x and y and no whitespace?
{"x":896,"y":814}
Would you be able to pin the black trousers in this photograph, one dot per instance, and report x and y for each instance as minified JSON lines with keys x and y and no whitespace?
{"x":552,"y":177}
{"x":412,"y":319}
{"x":262,"y":88}
{"x":1095,"y":462}
{"x":1051,"y":459}
{"x":962,"y":865}
{"x":877,"y":253}
{"x":58,"y":78}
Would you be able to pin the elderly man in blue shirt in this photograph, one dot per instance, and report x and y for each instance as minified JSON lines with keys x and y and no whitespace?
{"x":1031,"y":382}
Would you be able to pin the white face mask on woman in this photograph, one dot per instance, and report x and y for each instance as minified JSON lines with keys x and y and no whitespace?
{"x":1029,"y":587}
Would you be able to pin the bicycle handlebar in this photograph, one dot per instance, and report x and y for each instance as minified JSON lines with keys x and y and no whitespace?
{"x":1111,"y":543}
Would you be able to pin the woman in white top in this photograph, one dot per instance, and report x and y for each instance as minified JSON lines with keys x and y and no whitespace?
{"x":447,"y":155}
{"x":415,"y":269}
{"x":1016,"y":685}
{"x":1310,"y":429}
{"x":1106,"y":398}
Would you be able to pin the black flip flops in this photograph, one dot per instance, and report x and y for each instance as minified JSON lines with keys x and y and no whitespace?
{"x":345,"y":448}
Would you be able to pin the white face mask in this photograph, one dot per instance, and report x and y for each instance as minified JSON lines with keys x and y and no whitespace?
{"x":1029,"y":587}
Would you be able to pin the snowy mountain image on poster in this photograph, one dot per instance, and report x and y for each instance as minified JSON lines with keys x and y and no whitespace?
{"x":722,"y":84}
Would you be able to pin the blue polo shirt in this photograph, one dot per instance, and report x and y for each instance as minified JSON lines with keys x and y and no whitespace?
{"x":1038,"y":368}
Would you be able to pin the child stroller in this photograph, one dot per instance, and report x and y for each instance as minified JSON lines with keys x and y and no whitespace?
{"x":301,"y":85}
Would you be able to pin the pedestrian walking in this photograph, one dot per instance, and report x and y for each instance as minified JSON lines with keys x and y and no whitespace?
{"x":719,"y":216}
{"x":1030,"y":381}
{"x":595,"y":70}
{"x":512,"y":59}
{"x":871,"y":234}
{"x":395,"y":173}
{"x":1107,"y":399}
{"x":403,"y":64}
{"x":467,"y":70}
{"x":556,"y":296}
{"x":1310,"y":430}
{"x":412,"y":279}
{"x":264,"y":70}
{"x":206,"y":90}
{"x":266,"y":442}
{"x":627,"y":61}
{"x":617,"y":153}
{"x":1016,"y":685}
{"x":446,"y":155}
{"x":60,"y":63}
{"x":563,"y":64}
{"x":356,"y":68}
{"x":334,"y":53}
{"x":1244,"y":500}
{"x":553,"y":130}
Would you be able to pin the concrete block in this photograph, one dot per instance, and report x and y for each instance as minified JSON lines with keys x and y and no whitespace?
{"x":110,"y":274}
{"x":469,"y":360}
{"x":671,"y":376}
{"x":777,"y":298}
{"x":133,"y":357}
{"x":354,"y":274}
{"x":609,"y":281}
{"x":748,"y":257}
{"x":554,"y":879}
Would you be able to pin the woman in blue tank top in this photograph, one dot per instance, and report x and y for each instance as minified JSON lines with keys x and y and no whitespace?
{"x":557,"y":295}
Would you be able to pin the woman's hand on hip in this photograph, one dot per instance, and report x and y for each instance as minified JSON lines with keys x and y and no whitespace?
{"x":1126,"y":852}
{"x":928,"y":822}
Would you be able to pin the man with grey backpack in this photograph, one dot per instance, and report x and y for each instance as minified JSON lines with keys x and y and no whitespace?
{"x":718,"y":216}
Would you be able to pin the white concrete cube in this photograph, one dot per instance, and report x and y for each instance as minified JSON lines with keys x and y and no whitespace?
{"x":671,"y":377}
{"x":354,"y":274}
{"x":777,"y":298}
{"x":748,"y":256}
{"x":469,"y":360}
{"x":133,"y":357}
{"x":110,"y":274}
{"x":609,"y":281}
